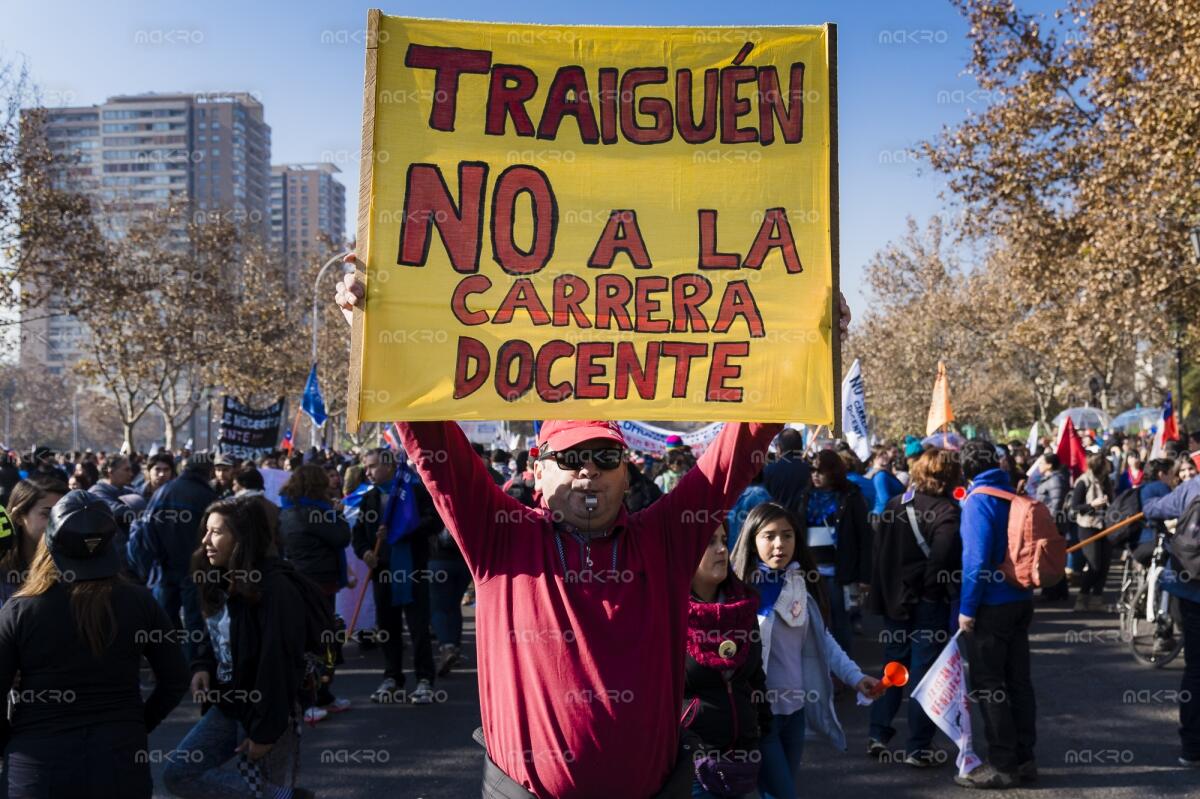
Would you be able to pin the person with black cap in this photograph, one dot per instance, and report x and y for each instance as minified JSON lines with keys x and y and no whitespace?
{"x":44,"y":465}
{"x":76,"y":633}
{"x":223,"y":469}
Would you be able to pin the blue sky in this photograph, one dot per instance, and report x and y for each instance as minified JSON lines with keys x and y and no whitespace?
{"x":900,"y":75}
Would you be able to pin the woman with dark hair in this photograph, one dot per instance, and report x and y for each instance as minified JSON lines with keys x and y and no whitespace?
{"x":1184,"y":470}
{"x":28,"y":509}
{"x":725,"y":688}
{"x":1092,"y":493}
{"x":798,"y":651}
{"x":838,"y":533}
{"x":84,"y":476}
{"x":915,"y":568}
{"x":315,"y":536}
{"x":76,"y":633}
{"x":250,"y":669}
{"x":882,"y":475}
{"x":248,"y":482}
{"x":335,"y":480}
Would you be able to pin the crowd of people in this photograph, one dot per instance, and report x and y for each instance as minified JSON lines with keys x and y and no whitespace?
{"x":744,"y":587}
{"x":740,"y":577}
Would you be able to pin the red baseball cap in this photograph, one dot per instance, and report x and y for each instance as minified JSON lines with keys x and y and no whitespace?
{"x":560,"y":434}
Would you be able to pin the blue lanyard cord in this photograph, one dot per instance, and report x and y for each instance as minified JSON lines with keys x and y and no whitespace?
{"x":562,"y":555}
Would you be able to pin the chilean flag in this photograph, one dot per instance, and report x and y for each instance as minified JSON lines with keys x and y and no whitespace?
{"x":391,"y":437}
{"x":287,"y":440}
{"x":1167,"y":429}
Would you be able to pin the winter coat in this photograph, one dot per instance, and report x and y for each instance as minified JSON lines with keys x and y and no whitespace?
{"x":162,"y":541}
{"x":726,"y":698}
{"x":902,"y":575}
{"x":1173,"y":506}
{"x":370,"y":517}
{"x":1088,"y":488}
{"x":821,"y":658}
{"x":788,"y":479}
{"x":1053,"y":491}
{"x":984,"y":533}
{"x":266,"y":640}
{"x":314,"y":538}
{"x":852,"y":560}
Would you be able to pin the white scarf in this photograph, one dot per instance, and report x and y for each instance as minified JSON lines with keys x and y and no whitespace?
{"x":792,"y":604}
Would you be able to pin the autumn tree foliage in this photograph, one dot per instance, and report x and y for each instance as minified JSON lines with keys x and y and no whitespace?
{"x":1075,"y":190}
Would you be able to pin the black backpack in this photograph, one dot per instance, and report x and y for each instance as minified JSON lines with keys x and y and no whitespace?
{"x":1127,"y":503}
{"x":1185,"y":544}
{"x":321,"y":634}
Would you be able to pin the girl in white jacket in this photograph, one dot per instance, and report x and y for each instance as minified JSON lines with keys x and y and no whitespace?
{"x":798,"y":651}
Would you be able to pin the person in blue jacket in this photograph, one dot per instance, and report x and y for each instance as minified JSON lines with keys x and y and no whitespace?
{"x":1153,"y":487}
{"x":994,"y":618}
{"x":162,"y":540}
{"x":1172,"y":506}
{"x":886,"y":484}
{"x":854,"y":473}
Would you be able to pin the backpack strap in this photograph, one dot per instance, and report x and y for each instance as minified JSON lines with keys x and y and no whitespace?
{"x":995,"y":492}
{"x":912,"y":521}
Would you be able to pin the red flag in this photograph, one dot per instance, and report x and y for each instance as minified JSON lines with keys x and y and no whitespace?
{"x":1070,"y":449}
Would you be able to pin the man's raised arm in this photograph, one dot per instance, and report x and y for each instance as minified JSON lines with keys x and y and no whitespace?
{"x":694,"y":508}
{"x":477,"y":513}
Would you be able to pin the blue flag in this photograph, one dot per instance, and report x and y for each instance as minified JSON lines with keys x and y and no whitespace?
{"x":313,"y":403}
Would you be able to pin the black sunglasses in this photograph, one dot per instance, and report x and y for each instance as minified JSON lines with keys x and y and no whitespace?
{"x":571,"y":460}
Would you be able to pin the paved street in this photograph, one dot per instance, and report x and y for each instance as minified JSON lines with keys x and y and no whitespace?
{"x":1106,"y":725}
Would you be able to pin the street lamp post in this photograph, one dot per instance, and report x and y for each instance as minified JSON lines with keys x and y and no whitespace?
{"x":75,"y":420}
{"x":316,"y":324}
{"x":9,"y":390}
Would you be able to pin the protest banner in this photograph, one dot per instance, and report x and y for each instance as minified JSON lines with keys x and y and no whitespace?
{"x":249,"y":432}
{"x":653,"y":440}
{"x":942,"y":694}
{"x":597,"y":222}
{"x":854,"y":413}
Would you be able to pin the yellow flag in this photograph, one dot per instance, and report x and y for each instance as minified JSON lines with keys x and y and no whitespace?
{"x":940,"y":412}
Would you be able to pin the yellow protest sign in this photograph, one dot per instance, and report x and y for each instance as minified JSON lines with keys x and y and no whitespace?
{"x":597,"y":222}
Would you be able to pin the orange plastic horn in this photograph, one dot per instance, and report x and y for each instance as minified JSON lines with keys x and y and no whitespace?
{"x":895,"y":674}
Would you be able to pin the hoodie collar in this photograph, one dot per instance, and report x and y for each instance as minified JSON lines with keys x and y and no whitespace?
{"x":996,"y":478}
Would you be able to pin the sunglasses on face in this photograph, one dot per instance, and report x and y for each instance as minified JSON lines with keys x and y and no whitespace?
{"x":571,"y":460}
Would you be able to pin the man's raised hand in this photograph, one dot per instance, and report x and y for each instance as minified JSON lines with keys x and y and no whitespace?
{"x":349,"y":292}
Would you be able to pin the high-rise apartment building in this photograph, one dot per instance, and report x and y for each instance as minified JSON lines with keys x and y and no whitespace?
{"x":308,"y":213}
{"x":136,"y":153}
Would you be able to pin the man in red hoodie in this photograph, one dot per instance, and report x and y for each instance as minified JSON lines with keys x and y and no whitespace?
{"x":581,"y":606}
